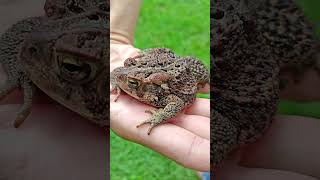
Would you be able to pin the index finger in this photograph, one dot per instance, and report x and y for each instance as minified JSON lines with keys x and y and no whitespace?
{"x":205,"y":89}
{"x":200,"y":107}
{"x":173,"y":141}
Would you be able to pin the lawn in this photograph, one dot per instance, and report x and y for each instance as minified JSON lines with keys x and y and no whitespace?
{"x":184,"y":27}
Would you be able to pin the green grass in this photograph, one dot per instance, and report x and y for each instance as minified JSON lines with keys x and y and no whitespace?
{"x":184,"y":27}
{"x":311,"y":9}
{"x":310,"y":109}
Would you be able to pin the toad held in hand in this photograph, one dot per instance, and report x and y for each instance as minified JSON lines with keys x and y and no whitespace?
{"x":161,"y":79}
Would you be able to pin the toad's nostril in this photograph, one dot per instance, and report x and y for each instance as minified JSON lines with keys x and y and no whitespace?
{"x":33,"y":50}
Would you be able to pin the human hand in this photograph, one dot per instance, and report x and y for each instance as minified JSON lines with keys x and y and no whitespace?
{"x":288,"y":150}
{"x":53,"y":143}
{"x":306,"y":90}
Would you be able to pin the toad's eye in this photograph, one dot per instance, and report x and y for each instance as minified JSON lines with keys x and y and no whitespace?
{"x":74,"y":70}
{"x":133,"y":83}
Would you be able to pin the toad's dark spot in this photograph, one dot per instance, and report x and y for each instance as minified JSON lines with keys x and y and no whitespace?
{"x":94,"y":17}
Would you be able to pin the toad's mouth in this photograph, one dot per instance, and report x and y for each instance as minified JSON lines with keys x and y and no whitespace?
{"x":130,"y":92}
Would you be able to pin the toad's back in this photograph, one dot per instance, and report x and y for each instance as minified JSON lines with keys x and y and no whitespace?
{"x":160,"y":78}
{"x":161,"y":73}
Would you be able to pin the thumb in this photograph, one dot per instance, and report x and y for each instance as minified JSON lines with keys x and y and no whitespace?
{"x":205,"y":89}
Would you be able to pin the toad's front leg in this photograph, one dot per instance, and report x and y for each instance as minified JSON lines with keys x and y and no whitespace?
{"x":173,"y":107}
{"x":28,"y":91}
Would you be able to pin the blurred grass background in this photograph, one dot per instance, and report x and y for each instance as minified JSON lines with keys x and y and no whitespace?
{"x":184,"y":27}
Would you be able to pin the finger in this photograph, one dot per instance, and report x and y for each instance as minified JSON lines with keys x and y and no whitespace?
{"x":178,"y":144}
{"x":3,"y":75}
{"x":200,"y":107}
{"x":119,"y":53}
{"x":307,"y":89}
{"x":283,"y":137}
{"x":49,"y":127}
{"x":231,"y":170}
{"x":242,"y":173}
{"x":198,"y":125}
{"x":205,"y":89}
{"x":196,"y":120}
{"x":16,"y":97}
{"x":12,"y":155}
{"x":170,"y":140}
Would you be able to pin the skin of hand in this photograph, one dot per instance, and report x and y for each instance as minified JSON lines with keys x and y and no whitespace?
{"x":53,"y":142}
{"x":289,"y":150}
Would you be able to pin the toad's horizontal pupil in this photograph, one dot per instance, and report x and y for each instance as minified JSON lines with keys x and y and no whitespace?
{"x":71,"y":67}
{"x":134,"y":84}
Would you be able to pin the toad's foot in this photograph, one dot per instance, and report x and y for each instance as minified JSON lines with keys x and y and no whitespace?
{"x":118,"y":91}
{"x":28,"y":91}
{"x":162,"y":115}
{"x":154,"y":120}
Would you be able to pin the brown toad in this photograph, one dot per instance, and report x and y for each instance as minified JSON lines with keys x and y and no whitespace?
{"x":161,"y":79}
{"x":254,"y":44}
{"x":71,"y":67}
{"x":21,"y":75}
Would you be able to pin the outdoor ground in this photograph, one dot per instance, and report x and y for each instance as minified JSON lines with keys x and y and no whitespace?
{"x":184,"y":26}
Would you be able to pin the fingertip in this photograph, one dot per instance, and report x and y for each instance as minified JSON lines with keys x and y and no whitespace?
{"x":200,"y":107}
{"x":205,"y":89}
